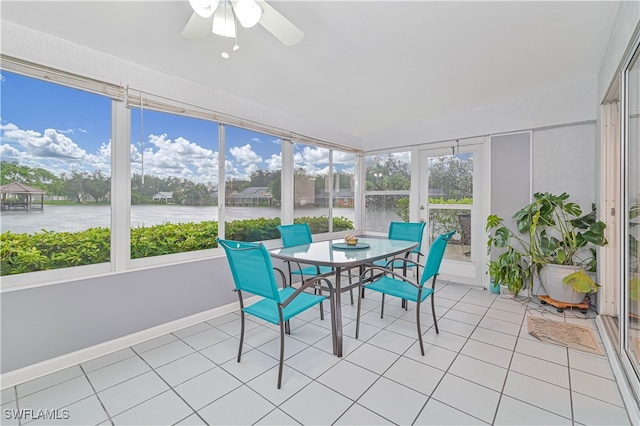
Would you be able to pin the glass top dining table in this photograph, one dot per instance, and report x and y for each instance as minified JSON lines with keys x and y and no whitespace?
{"x":338,"y":255}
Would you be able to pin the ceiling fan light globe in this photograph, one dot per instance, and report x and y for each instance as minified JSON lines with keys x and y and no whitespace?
{"x":204,"y":8}
{"x":236,"y":48}
{"x":223,"y":22}
{"x":248,"y":12}
{"x":225,"y":55}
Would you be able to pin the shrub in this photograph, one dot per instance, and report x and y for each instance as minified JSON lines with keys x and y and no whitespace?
{"x":22,"y":253}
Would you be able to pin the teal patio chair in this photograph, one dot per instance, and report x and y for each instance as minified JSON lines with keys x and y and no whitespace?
{"x":406,"y":231}
{"x":389,"y":282}
{"x":253,"y":273}
{"x":300,"y":234}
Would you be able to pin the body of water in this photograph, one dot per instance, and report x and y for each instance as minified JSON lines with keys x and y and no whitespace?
{"x":74,"y":218}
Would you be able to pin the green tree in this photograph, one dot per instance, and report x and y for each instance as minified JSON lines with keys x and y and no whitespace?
{"x":98,"y":185}
{"x":387,"y":174}
{"x":452,"y":175}
{"x":36,"y":177}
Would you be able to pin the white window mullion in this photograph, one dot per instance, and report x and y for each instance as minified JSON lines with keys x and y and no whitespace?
{"x":120,"y":186}
{"x":286,"y":196}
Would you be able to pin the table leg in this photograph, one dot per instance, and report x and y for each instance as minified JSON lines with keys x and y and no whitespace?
{"x":338,"y":312}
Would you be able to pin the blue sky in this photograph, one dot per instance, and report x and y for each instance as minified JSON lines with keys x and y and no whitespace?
{"x":61,"y":129}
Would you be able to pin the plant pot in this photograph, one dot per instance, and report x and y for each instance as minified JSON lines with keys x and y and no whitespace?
{"x":504,"y":290}
{"x":494,"y":287}
{"x":552,"y":276}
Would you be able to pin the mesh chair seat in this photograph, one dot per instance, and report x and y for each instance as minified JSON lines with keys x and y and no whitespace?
{"x":399,"y":288}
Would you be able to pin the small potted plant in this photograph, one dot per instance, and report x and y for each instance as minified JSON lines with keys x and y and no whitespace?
{"x":511,"y":268}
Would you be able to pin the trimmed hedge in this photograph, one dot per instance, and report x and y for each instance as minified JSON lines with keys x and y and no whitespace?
{"x":21,"y":253}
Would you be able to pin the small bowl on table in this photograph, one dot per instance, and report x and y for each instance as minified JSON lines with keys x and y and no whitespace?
{"x":351,"y":241}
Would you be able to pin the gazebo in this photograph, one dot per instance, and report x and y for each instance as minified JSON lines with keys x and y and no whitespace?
{"x":23,"y":196}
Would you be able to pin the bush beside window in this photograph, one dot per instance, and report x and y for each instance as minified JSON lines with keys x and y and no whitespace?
{"x":22,"y":253}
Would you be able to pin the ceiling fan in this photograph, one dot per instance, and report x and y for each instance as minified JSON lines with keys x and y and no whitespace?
{"x":219,"y":17}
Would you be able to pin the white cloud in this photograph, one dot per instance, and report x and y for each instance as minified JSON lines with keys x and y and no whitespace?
{"x":245,"y":155}
{"x":164,"y":157}
{"x":274,"y":163}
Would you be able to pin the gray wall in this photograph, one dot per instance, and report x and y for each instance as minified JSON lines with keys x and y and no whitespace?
{"x":45,"y":322}
{"x":510,"y":175}
{"x":564,"y":160}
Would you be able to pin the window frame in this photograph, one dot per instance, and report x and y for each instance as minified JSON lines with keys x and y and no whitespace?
{"x":122,"y":99}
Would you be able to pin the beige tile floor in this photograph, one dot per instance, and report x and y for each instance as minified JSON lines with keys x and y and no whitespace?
{"x":483,"y":368}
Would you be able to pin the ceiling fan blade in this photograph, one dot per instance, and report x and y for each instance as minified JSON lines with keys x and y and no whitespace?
{"x":197,"y":27}
{"x":279,"y":26}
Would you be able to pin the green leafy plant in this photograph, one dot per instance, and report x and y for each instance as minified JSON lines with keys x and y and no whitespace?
{"x":22,"y":253}
{"x":552,"y":230}
{"x":511,"y":267}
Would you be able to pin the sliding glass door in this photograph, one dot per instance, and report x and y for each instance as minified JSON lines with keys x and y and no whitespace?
{"x":632,"y":266}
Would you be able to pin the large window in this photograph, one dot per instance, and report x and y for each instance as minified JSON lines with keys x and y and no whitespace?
{"x":344,"y":196}
{"x":174,"y":183}
{"x":324,"y":188}
{"x":57,"y":200}
{"x":388,"y":185}
{"x":311,"y":186}
{"x":55,"y":176}
{"x":253,"y":171}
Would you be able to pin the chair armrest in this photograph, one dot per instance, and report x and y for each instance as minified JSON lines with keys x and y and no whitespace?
{"x":305,"y":285}
{"x":387,"y":272}
{"x":283,"y":276}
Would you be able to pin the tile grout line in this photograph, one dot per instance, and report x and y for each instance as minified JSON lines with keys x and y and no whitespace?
{"x":97,"y":396}
{"x":170,"y":387}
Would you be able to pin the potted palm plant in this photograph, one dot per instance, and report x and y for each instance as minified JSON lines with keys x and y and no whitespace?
{"x":558,"y":242}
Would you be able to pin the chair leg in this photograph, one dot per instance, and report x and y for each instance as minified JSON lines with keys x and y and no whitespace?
{"x":241,"y":334}
{"x":433,"y":311}
{"x":382,"y":306}
{"x":282,"y":326}
{"x":287,"y":327}
{"x":319,"y":292}
{"x":350,"y":283}
{"x":358,"y":315}
{"x":419,"y":328}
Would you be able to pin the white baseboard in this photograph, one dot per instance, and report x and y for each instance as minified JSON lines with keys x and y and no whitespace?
{"x":21,"y":375}
{"x":630,"y":402}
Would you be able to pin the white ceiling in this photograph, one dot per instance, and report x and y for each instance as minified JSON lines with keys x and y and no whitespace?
{"x":363,"y":66}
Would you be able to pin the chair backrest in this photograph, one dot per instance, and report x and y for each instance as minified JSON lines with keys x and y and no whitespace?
{"x":407,"y":231}
{"x":434,"y":258}
{"x":295,"y":235}
{"x":251,"y":268}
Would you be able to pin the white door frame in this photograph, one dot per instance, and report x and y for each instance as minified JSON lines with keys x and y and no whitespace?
{"x":451,"y":270}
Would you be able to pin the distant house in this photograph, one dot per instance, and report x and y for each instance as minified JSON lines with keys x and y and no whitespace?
{"x":252,"y":196}
{"x":341,"y":198}
{"x":167,"y":197}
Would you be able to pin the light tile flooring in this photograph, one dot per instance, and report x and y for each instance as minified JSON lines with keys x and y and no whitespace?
{"x":483,"y":368}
